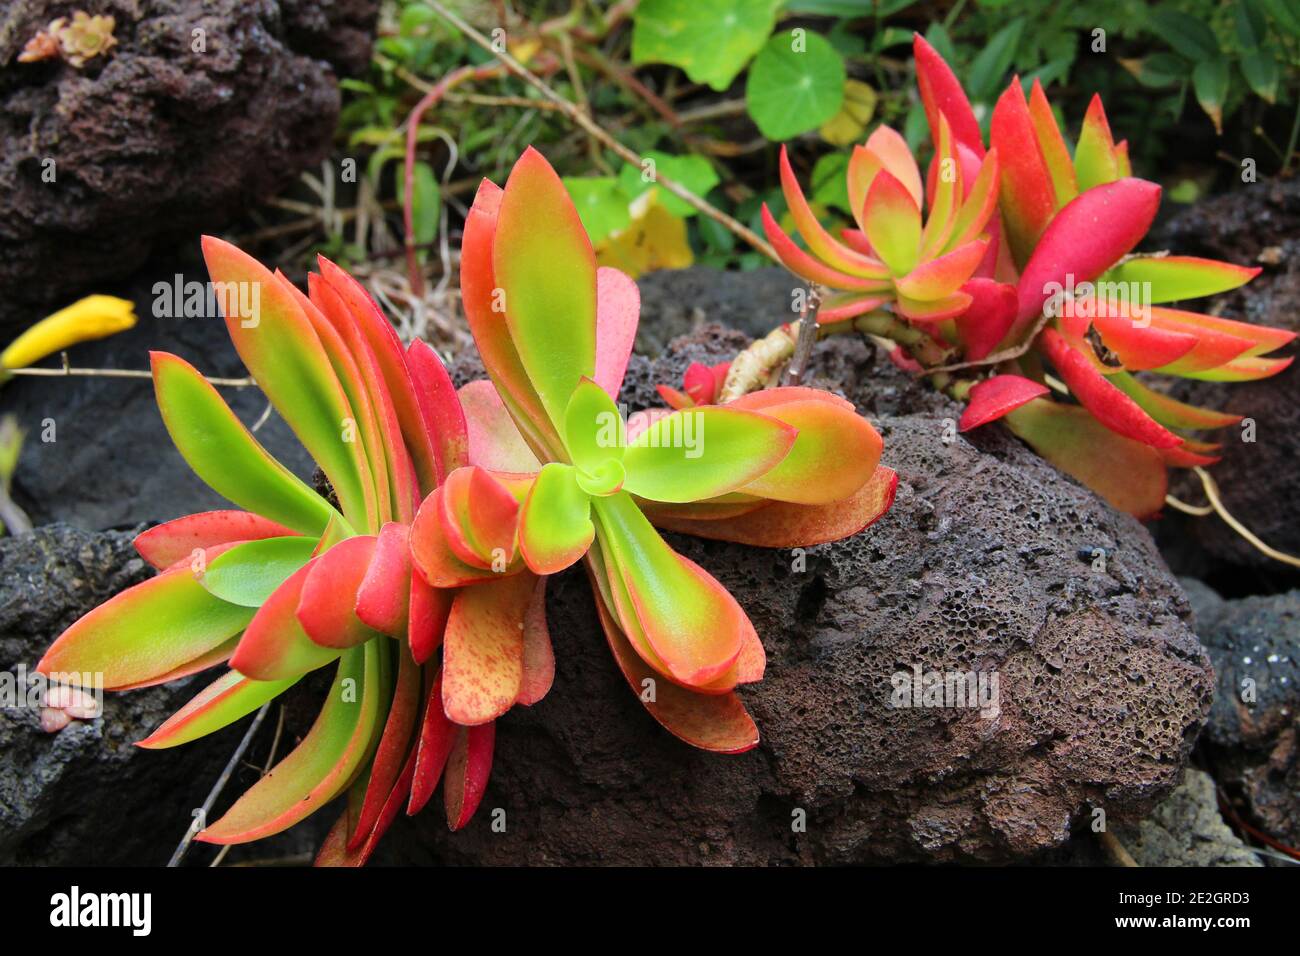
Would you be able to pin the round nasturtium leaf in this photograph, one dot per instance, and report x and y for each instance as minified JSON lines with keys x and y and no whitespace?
{"x":711,"y":41}
{"x":601,"y":203}
{"x":795,"y":84}
{"x":693,"y":172}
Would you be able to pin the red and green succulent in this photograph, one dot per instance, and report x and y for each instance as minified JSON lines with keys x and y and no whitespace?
{"x":1056,"y":281}
{"x":420,"y":576}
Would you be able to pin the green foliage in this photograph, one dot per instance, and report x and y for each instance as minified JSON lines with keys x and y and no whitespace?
{"x":795,"y":84}
{"x":711,"y":42}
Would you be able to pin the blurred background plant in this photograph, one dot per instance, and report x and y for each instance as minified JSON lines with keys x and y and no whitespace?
{"x":1208,"y":94}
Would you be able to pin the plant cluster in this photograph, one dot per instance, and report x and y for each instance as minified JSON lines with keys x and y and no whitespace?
{"x":1044,"y":276}
{"x":420,"y":577}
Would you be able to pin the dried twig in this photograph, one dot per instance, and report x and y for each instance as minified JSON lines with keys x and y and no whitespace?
{"x":215,"y":792}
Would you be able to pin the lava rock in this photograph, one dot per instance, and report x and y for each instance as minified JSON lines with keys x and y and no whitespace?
{"x":989,"y":561}
{"x":1258,"y":224}
{"x":162,"y":137}
{"x":97,"y":454}
{"x":1251,"y":738}
{"x":1188,"y":830}
{"x":676,"y":302}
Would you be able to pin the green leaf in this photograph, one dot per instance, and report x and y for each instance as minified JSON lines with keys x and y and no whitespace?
{"x":601,"y":203}
{"x":1184,"y":33}
{"x":555,"y":525}
{"x":594,"y":432}
{"x":1286,"y":13}
{"x":249,"y":573}
{"x":1252,"y":26}
{"x":795,"y":84}
{"x":1210,"y":82}
{"x":225,"y":454}
{"x":712,"y":42}
{"x":704,"y":452}
{"x":936,"y":34}
{"x":426,"y":209}
{"x":992,"y":63}
{"x":694,"y":172}
{"x":1160,"y":70}
{"x":1262,"y":73}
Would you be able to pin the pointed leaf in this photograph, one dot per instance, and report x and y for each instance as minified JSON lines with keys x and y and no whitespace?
{"x":177,"y":540}
{"x":1168,"y":411}
{"x":1172,"y":278}
{"x":280,"y":348}
{"x":274,"y":645}
{"x":893,"y":223}
{"x":996,"y":396}
{"x":942,"y":93}
{"x":468,"y":768}
{"x":437,"y":736}
{"x":547,"y":273}
{"x":322,"y":765}
{"x":225,"y":454}
{"x":147,"y":630}
{"x":218,"y":705}
{"x":443,"y":416}
{"x":1028,"y":199}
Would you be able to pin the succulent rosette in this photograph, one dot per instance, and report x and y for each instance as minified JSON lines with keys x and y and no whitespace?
{"x":919,"y":265}
{"x":566,"y":476}
{"x":298,"y":580}
{"x":1057,"y":283}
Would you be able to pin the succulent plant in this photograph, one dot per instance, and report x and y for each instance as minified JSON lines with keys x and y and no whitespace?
{"x":1056,"y":284}
{"x":419,"y":575}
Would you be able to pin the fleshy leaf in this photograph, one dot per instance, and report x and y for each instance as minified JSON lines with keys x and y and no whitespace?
{"x":442,"y":412}
{"x":274,"y":645}
{"x":384,"y":595}
{"x":689,"y":620}
{"x":1111,"y":407}
{"x":539,"y":657}
{"x":547,"y":272}
{"x":280,"y":348}
{"x":468,"y":768}
{"x":1055,"y":154}
{"x":322,"y":765}
{"x":834,"y":454}
{"x":483,"y":655}
{"x":618,"y":310}
{"x":704,"y":452}
{"x":1173,"y":278}
{"x":1086,"y":238}
{"x":437,"y":736}
{"x":988,"y":318}
{"x":785,"y":525}
{"x":427,"y":620}
{"x":893,"y":223}
{"x":1095,"y":163}
{"x":218,"y":705}
{"x":594,"y":431}
{"x":391,"y":755}
{"x":555,"y":526}
{"x":713,"y":722}
{"x":1128,"y":474}
{"x":942,"y":93}
{"x":1168,"y":411}
{"x":327,"y":608}
{"x":248,"y":573}
{"x":225,"y":454}
{"x":996,"y":396}
{"x":177,"y":540}
{"x":1028,"y":199}
{"x":147,"y":630}
{"x":494,"y":441}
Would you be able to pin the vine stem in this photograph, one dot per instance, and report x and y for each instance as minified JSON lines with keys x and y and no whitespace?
{"x":1212,"y":492}
{"x":593,"y":129}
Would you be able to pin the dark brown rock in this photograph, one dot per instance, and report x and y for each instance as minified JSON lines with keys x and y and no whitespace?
{"x":157,"y":140}
{"x":1259,"y":224}
{"x":986,"y":562}
{"x":1251,"y":738}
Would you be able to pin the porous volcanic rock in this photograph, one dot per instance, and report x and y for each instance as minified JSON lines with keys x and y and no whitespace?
{"x":1188,"y":830}
{"x":989,"y":560}
{"x":157,"y":138}
{"x":85,"y":795}
{"x":1251,"y":740}
{"x":1258,"y":225}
